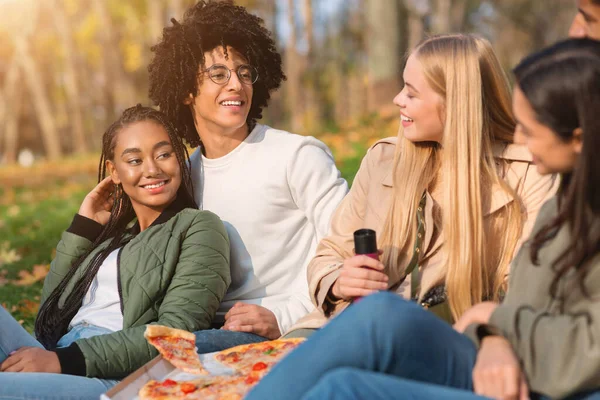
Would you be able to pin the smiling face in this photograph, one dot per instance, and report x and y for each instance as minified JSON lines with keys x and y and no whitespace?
{"x":586,"y":22}
{"x":146,"y":166}
{"x":222,"y":108}
{"x":550,"y":153}
{"x":420,"y":106}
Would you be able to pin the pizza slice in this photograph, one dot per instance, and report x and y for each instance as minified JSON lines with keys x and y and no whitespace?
{"x":257,"y":359}
{"x":176,"y":346}
{"x":208,"y":388}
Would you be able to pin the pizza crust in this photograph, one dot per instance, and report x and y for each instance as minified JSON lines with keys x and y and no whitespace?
{"x":242,"y":348}
{"x":245,"y":347}
{"x":159,"y":330}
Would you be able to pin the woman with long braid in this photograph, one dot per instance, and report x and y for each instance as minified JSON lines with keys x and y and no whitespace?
{"x":110,"y":279}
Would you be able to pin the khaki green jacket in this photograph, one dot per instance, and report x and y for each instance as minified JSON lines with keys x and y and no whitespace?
{"x":174,"y":273}
{"x":556,"y":339}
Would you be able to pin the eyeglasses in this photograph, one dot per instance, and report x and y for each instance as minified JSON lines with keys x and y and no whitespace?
{"x":220,"y":74}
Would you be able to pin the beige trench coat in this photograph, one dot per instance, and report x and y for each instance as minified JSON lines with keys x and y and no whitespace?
{"x":366,"y":206}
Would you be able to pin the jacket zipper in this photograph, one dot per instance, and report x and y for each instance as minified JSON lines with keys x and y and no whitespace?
{"x":119,"y":287}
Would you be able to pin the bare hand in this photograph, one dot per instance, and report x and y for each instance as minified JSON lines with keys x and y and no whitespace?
{"x":31,"y":359}
{"x":252,"y":318}
{"x":98,"y":203}
{"x":357,"y":281}
{"x":497,"y":373}
{"x":478,"y":314}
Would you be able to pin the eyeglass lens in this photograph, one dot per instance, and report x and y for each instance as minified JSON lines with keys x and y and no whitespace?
{"x":220,"y":74}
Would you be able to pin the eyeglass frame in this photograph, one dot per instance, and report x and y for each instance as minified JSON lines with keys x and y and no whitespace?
{"x":229,"y":70}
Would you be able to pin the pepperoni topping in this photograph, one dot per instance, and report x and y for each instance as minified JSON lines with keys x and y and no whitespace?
{"x":251,"y":379}
{"x":188,"y":387}
{"x":259,"y":366}
{"x":169,"y":382}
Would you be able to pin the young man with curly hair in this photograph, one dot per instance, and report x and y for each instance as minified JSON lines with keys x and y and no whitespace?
{"x":213,"y":73}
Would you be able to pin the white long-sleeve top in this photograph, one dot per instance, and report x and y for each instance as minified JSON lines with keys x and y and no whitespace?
{"x":101,"y":305}
{"x":276,"y":193}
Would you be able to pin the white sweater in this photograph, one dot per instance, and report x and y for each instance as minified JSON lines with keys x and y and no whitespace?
{"x":276,"y":193}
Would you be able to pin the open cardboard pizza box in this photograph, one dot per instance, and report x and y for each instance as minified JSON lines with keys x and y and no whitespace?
{"x":160,"y":369}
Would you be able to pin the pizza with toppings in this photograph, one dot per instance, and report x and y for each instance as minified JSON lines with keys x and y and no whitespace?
{"x":207,"y":388}
{"x":257,"y":358}
{"x":176,"y":346}
{"x":249,"y":361}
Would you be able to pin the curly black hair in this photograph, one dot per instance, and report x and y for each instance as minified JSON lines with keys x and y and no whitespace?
{"x":206,"y":26}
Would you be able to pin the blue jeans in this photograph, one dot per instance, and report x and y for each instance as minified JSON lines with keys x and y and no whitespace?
{"x":382,"y":333}
{"x":381,"y":348}
{"x":24,"y":385}
{"x":212,"y":340}
{"x":356,"y":384}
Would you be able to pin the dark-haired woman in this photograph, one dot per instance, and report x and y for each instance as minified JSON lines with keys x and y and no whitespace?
{"x":543,"y":341}
{"x":213,"y":74}
{"x":108,"y":281}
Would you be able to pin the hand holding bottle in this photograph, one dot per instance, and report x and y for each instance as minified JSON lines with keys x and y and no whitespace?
{"x":362,"y":274}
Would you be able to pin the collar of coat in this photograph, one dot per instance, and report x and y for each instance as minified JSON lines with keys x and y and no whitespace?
{"x":181,"y":202}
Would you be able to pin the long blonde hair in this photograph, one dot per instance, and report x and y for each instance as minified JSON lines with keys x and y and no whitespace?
{"x":465,"y":72}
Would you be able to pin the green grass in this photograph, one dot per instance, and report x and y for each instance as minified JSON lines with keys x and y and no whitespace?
{"x":31,"y":230}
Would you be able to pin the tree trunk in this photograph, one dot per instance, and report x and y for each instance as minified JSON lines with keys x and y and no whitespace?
{"x":384,"y":51}
{"x":176,"y":9}
{"x":9,"y":112}
{"x":155,"y":19}
{"x":71,"y":79}
{"x":293,"y":72}
{"x":417,"y":10}
{"x":311,"y":109}
{"x":39,"y":97}
{"x":11,"y":141}
{"x":274,"y":113}
{"x":441,"y":17}
{"x":119,"y":90}
{"x":458,"y":15}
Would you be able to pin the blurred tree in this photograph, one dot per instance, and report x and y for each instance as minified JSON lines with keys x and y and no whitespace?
{"x":156,"y":19}
{"x":385,"y":42}
{"x":293,"y":71}
{"x":63,"y":26}
{"x":10,"y":101}
{"x":38,"y":95}
{"x":83,"y":61}
{"x":417,"y":11}
{"x":118,"y":89}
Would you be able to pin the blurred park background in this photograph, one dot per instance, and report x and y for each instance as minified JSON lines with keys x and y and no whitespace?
{"x":69,"y":67}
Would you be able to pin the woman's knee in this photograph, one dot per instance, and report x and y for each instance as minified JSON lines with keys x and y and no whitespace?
{"x":389,"y":311}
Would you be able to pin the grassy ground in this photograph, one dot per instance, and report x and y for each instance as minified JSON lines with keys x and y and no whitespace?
{"x":38,"y":203}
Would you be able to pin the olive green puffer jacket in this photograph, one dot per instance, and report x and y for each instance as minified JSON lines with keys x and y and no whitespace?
{"x":174,"y":273}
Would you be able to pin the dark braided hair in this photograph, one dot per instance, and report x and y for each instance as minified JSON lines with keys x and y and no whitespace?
{"x":53,"y":319}
{"x":561,"y":84}
{"x":180,"y":53}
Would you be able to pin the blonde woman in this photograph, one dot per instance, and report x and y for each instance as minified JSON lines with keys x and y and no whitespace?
{"x":450,"y":198}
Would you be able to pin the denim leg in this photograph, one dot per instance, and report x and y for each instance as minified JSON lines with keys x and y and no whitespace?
{"x":382,"y":333}
{"x":356,"y":384}
{"x":81,"y":331}
{"x":211,"y":340}
{"x":13,"y":336}
{"x":23,"y":385}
